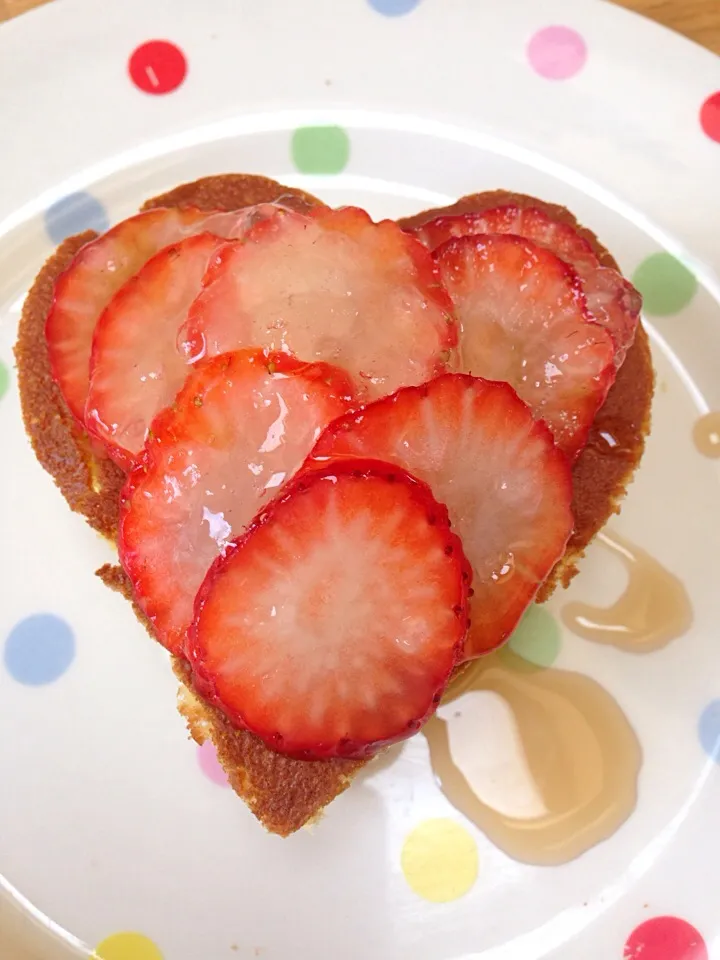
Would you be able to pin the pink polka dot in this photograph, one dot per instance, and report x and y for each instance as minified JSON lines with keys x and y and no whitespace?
{"x":665,"y":938}
{"x":557,"y":53}
{"x":157,"y":66}
{"x":710,"y":116}
{"x":210,"y":765}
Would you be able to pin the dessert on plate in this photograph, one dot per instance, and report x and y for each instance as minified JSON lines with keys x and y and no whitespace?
{"x":339,"y":458}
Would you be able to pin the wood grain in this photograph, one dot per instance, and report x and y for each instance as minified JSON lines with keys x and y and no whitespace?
{"x":697,"y":19}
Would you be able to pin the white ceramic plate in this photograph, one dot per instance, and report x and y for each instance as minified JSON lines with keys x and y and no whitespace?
{"x":110,"y":832}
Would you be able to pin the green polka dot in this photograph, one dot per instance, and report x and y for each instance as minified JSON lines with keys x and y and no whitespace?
{"x":320,"y":149}
{"x":537,"y":637}
{"x":666,"y":284}
{"x":4,"y":379}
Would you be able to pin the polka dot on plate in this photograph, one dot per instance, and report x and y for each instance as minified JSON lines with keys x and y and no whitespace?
{"x":210,"y":765}
{"x":4,"y":379}
{"x":557,"y":53}
{"x":127,"y":946}
{"x":706,"y":435}
{"x":667,"y":286}
{"x":73,"y":214}
{"x":39,"y":649}
{"x":537,"y":637}
{"x":665,"y":938}
{"x":440,"y":860}
{"x":157,"y":66}
{"x":710,"y":116}
{"x":709,"y":730}
{"x":320,"y":149}
{"x":394,"y":8}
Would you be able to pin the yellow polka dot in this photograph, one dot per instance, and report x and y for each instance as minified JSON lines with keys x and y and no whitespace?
{"x":127,"y":946}
{"x":440,"y":860}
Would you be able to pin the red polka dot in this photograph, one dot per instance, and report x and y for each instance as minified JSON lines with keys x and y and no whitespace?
{"x":157,"y":66}
{"x":665,"y":938}
{"x":710,"y":116}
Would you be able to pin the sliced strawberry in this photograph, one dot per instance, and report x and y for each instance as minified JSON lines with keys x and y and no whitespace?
{"x":524,"y":320}
{"x":507,"y":487}
{"x":331,"y":628}
{"x":529,"y":222}
{"x":240,"y":426}
{"x":330,"y":286}
{"x":611,"y":300}
{"x":100,"y":269}
{"x":136,"y":368}
{"x":615,"y":303}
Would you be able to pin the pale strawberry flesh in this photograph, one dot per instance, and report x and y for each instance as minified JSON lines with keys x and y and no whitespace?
{"x":507,"y":488}
{"x":522,"y":221}
{"x":524,"y":320}
{"x":240,"y":427}
{"x":330,"y":286}
{"x":136,"y":368}
{"x":100,"y":269}
{"x":331,"y":628}
{"x":611,"y":300}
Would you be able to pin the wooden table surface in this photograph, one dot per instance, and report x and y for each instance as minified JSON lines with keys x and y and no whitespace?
{"x":697,"y":19}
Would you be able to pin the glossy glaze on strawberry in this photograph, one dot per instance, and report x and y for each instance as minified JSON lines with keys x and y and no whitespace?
{"x":524,"y":320}
{"x":240,"y":427}
{"x":101,"y":268}
{"x":136,"y":368}
{"x":330,"y":286}
{"x":611,"y":299}
{"x":331,"y":627}
{"x":507,"y":487}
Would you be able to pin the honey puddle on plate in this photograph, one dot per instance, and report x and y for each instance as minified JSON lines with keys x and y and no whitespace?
{"x":544,"y":761}
{"x":571,"y":774}
{"x":653,"y":609}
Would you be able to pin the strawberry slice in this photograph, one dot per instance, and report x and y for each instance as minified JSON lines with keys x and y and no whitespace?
{"x":331,"y":628}
{"x":611,"y":299}
{"x":136,"y":368}
{"x":240,"y":426}
{"x":524,"y":320}
{"x":330,"y":286}
{"x":100,"y":269}
{"x":529,"y":222}
{"x":507,"y":487}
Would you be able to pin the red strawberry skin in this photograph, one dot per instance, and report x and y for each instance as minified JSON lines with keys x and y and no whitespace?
{"x":103,"y":266}
{"x":331,"y":627}
{"x":331,"y":286}
{"x":507,"y":487}
{"x":242,"y":424}
{"x":529,"y":222}
{"x":524,"y":319}
{"x":611,"y":299}
{"x":97,"y":272}
{"x":136,"y":368}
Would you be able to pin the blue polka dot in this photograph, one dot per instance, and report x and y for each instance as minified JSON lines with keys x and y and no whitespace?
{"x":709,"y":729}
{"x":39,"y":649}
{"x":73,"y":214}
{"x":393,"y":8}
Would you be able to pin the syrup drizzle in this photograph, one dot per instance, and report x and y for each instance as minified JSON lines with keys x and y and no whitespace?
{"x":653,"y":609}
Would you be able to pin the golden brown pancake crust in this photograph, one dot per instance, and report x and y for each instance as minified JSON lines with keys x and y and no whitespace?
{"x":91,"y":485}
{"x":282,"y":792}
